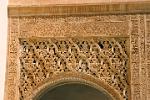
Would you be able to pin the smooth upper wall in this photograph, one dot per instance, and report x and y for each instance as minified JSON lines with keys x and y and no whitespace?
{"x":48,"y":2}
{"x":3,"y":45}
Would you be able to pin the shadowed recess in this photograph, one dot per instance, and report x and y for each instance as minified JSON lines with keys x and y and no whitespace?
{"x":74,"y":91}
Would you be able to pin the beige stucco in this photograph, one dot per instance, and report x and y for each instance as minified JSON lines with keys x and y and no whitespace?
{"x":3,"y":46}
{"x":123,"y":23}
{"x":47,"y":2}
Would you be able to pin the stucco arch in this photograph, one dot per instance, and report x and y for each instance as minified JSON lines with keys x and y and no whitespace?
{"x":68,"y":78}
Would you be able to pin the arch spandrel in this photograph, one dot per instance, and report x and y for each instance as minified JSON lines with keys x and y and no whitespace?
{"x":77,"y":78}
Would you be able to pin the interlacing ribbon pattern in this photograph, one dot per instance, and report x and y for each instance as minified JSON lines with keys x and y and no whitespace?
{"x":100,"y":57}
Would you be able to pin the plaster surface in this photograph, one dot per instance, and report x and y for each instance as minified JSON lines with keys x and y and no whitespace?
{"x":3,"y":44}
{"x":47,"y":2}
{"x":29,"y":70}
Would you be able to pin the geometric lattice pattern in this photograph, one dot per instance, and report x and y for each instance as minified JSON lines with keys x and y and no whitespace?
{"x":104,"y":58}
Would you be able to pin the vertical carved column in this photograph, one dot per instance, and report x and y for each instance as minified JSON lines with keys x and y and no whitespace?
{"x":142,"y":57}
{"x":148,"y":54}
{"x":135,"y":58}
{"x":11,"y":83}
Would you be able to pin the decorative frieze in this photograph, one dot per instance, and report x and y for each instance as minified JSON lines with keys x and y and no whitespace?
{"x":74,"y":26}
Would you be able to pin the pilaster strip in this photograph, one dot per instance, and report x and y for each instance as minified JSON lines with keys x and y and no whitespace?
{"x":143,"y":73}
{"x":135,"y":58}
{"x":11,"y":83}
{"x":148,"y":54}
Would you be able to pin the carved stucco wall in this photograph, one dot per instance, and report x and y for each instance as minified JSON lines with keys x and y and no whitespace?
{"x":96,"y":40}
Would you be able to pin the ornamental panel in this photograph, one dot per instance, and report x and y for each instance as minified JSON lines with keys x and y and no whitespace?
{"x":102,"y":58}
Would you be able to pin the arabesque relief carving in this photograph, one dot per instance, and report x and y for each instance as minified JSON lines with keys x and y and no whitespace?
{"x":104,"y":58}
{"x":114,"y":48}
{"x":49,"y":26}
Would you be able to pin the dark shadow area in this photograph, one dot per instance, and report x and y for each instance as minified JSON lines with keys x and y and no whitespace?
{"x":74,"y":91}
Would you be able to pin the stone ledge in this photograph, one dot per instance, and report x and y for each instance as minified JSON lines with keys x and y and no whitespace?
{"x":48,"y":2}
{"x":80,"y":9}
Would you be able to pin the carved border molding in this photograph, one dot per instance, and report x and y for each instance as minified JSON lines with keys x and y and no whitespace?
{"x":77,"y":9}
{"x":76,"y":78}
